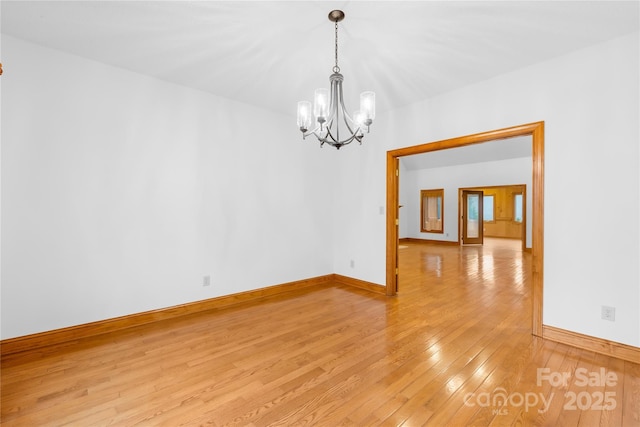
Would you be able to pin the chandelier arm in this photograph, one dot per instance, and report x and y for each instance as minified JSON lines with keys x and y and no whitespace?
{"x":331,"y":118}
{"x":337,"y":119}
{"x":333,"y":105}
{"x":336,"y":141}
{"x":315,"y":132}
{"x":345,"y":115}
{"x":331,"y":140}
{"x":311,"y":132}
{"x":344,"y":142}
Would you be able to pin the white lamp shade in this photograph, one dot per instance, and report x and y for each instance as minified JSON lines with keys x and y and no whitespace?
{"x":304,"y":115}
{"x":368,"y":105}
{"x":321,"y":103}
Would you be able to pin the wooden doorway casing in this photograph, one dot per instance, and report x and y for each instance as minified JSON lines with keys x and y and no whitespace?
{"x":536,"y":130}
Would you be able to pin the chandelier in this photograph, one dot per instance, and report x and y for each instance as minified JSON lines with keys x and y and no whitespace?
{"x":332,"y":122}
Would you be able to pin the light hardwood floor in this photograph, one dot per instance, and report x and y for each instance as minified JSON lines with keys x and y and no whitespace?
{"x":443,"y":352}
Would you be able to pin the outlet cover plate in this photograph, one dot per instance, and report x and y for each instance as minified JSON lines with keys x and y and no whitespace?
{"x":609,"y":313}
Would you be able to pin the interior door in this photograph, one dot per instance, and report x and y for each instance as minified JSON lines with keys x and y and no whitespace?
{"x":472,"y":220}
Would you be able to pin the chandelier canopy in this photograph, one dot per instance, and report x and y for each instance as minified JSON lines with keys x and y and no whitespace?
{"x":329,"y":120}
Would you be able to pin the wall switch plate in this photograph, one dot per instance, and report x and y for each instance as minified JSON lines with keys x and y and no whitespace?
{"x":609,"y":313}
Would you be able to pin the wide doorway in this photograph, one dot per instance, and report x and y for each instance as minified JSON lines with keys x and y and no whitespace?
{"x":536,"y":131}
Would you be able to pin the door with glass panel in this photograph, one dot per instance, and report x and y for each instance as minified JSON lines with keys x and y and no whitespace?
{"x":472,"y":220}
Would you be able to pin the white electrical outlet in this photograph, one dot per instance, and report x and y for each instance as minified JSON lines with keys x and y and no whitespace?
{"x":353,"y":264}
{"x":206,"y":281}
{"x":609,"y":313}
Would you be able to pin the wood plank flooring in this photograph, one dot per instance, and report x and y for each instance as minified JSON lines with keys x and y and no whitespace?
{"x":454,"y":348}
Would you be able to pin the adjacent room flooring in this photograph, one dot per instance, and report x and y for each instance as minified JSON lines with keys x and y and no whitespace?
{"x":454,"y":348}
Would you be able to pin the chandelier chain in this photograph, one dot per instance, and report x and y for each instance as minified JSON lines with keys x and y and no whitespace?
{"x":336,"y":69}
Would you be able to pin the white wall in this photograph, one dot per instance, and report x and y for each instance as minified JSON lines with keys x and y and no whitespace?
{"x":120,"y":192}
{"x":359,"y":210}
{"x":452,"y":178}
{"x":589,"y":101}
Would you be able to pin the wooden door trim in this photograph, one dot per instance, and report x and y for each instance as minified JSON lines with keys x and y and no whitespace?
{"x":393,"y":208}
{"x":462,"y":211}
{"x":536,"y":130}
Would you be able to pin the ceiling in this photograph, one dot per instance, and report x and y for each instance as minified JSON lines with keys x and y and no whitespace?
{"x":500,"y":149}
{"x":274,"y":53}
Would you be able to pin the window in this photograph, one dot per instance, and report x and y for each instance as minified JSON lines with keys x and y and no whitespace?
{"x":488,"y":209}
{"x":517,"y":207}
{"x":432,"y":211}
